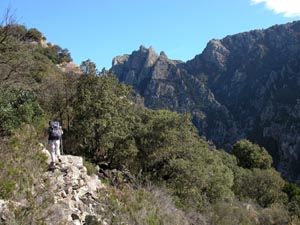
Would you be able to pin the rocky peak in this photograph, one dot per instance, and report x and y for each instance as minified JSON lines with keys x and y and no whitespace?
{"x":151,"y":57}
{"x":216,"y":53}
{"x":145,"y":56}
{"x":143,"y":48}
{"x":136,"y":67}
{"x":163,"y":56}
{"x":120,"y":60}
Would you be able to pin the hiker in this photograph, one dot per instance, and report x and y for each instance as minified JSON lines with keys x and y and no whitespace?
{"x":54,"y":139}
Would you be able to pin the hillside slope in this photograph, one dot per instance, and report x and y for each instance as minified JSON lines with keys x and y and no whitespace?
{"x":156,"y":168}
{"x":243,"y":86}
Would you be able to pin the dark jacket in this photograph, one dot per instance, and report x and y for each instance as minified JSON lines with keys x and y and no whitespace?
{"x":54,"y":136}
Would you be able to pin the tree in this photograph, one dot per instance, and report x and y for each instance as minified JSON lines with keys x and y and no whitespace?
{"x":292,"y":190}
{"x":251,"y":155}
{"x":33,"y":35}
{"x":52,"y":52}
{"x":104,"y":120}
{"x":88,"y":67}
{"x":22,"y":177}
{"x":14,"y":56}
{"x":17,"y":107}
{"x":263,"y":186}
{"x":170,"y":151}
{"x":294,"y":206}
{"x":64,"y":55}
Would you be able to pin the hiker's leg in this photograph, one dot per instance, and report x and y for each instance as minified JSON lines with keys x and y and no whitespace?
{"x":57,"y":148}
{"x":52,"y":151}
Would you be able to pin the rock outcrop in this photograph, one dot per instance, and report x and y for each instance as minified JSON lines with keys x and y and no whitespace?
{"x":74,"y":192}
{"x":243,"y":86}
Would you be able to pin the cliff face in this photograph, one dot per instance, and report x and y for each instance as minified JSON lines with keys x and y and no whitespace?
{"x":256,"y":75}
{"x":167,"y":84}
{"x":243,"y":86}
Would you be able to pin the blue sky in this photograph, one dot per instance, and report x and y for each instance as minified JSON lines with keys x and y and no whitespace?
{"x":102,"y":29}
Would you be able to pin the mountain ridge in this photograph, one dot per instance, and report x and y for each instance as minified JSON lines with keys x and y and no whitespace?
{"x":242,"y":86}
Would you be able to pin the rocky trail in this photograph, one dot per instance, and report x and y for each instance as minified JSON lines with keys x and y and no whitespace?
{"x":74,"y":191}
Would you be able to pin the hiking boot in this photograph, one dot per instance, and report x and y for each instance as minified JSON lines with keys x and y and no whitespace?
{"x":51,"y":166}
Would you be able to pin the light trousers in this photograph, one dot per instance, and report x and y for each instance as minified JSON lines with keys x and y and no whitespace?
{"x":54,"y":146}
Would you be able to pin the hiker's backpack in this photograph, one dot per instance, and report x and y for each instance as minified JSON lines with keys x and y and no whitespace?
{"x":55,"y":131}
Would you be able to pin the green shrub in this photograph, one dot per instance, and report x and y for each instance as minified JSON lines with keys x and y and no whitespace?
{"x":33,"y":35}
{"x":291,"y":190}
{"x":263,"y":186}
{"x":22,"y":161}
{"x":7,"y":189}
{"x":251,"y":155}
{"x":294,"y":206}
{"x":91,"y":169}
{"x":17,"y":106}
{"x":138,"y":206}
{"x":22,"y":166}
{"x":232,"y":213}
{"x":276,"y":214}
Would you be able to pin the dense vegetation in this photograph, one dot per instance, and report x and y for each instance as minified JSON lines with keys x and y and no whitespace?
{"x":106,"y":122}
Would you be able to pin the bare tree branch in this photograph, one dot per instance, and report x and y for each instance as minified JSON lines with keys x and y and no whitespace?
{"x":8,"y":20}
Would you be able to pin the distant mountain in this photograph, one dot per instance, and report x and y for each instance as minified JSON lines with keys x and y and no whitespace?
{"x":243,"y":86}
